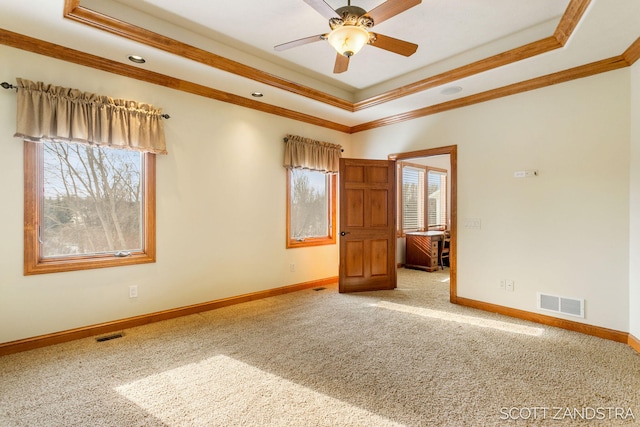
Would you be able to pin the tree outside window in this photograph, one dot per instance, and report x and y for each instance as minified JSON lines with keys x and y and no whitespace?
{"x":87,"y":207}
{"x":92,"y":200}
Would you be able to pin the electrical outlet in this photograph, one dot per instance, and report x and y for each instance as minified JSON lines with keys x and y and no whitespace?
{"x":509,"y":285}
{"x":503,"y":285}
{"x":133,"y":291}
{"x":292,"y":267}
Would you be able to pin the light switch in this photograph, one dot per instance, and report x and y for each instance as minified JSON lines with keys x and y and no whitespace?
{"x":529,"y":173}
{"x":473,"y":223}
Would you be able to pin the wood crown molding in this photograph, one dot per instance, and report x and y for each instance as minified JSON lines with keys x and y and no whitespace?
{"x":52,"y":50}
{"x":132,"y":322}
{"x":574,"y":12}
{"x":572,"y":16}
{"x":74,"y":11}
{"x":632,"y":54}
{"x":536,"y":83}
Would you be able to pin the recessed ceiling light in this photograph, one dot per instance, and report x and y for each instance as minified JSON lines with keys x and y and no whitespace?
{"x":257,"y":94}
{"x":451,"y":90}
{"x":137,"y":59}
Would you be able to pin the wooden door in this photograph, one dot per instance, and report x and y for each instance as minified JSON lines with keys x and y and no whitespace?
{"x":367,"y":225}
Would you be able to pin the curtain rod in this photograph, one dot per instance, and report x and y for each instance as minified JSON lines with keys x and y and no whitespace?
{"x":285,"y":139}
{"x":6,"y":85}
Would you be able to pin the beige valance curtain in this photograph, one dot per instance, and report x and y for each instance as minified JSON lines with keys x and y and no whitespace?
{"x":306,"y":153}
{"x":53,"y":113}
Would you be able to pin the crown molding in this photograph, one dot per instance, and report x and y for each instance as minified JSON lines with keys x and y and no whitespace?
{"x":632,"y":54}
{"x":52,"y":50}
{"x":587,"y":70}
{"x":73,"y":10}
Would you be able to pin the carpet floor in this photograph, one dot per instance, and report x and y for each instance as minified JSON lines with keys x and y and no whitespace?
{"x":319,"y":358}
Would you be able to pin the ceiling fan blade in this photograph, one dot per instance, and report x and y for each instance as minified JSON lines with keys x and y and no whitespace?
{"x":342,"y":64}
{"x":389,"y":9}
{"x":322,"y":8}
{"x":300,"y":42}
{"x":400,"y":47}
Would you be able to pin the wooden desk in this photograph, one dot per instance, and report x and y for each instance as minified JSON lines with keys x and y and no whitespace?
{"x":423,"y":250}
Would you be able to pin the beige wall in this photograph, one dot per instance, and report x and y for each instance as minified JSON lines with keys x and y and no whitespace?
{"x":220,"y":211}
{"x":221,"y":202}
{"x":564,"y":232}
{"x":634,"y":234}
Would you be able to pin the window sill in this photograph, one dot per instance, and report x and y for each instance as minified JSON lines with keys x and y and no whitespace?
{"x":74,"y":264}
{"x":291,"y":244}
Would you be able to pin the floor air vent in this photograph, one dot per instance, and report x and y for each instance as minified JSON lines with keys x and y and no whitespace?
{"x":109,"y":337}
{"x":319,"y":289}
{"x":570,"y":306}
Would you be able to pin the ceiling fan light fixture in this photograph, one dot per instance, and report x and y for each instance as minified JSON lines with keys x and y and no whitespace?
{"x":347,"y":40}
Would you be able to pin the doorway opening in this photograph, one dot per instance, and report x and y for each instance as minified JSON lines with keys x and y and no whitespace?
{"x":423,"y":156}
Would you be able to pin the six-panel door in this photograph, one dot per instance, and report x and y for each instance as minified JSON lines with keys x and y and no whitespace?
{"x":367,"y":225}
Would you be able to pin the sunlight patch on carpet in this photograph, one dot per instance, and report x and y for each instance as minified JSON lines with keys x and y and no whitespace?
{"x":459,"y":318}
{"x":224,"y":391}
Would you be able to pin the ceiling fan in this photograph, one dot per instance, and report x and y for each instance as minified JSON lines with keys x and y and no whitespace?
{"x":350,"y":30}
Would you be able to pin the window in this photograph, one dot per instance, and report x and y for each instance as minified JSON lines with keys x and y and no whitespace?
{"x":437,"y":197}
{"x":412,"y":198}
{"x":87,"y":207}
{"x":311,"y":208}
{"x":422,"y":199}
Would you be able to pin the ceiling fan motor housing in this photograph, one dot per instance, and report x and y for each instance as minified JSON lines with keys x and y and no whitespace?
{"x":351,"y":15}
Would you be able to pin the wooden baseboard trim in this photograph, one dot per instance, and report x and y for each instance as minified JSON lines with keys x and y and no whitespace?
{"x":597,"y":331}
{"x":118,"y":325}
{"x":634,"y":343}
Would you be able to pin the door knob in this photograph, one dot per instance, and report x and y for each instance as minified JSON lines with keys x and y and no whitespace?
{"x":344,"y":233}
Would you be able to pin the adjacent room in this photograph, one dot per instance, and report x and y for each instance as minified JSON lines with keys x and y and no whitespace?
{"x":308,"y":212}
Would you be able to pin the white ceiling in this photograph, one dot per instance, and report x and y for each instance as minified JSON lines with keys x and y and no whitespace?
{"x":450,"y":34}
{"x":442,"y":29}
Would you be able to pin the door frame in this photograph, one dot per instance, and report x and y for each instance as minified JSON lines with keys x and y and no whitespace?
{"x":452,"y":151}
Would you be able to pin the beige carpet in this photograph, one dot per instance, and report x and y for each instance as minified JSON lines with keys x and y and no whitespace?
{"x":317,"y":358}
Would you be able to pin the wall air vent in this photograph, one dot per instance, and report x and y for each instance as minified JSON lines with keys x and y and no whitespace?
{"x":570,"y":306}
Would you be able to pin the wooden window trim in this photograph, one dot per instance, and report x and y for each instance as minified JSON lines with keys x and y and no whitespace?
{"x":426,"y":207}
{"x":33,"y":261}
{"x":313,"y":241}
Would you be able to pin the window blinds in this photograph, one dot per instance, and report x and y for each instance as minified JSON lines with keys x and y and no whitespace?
{"x":413,"y":193}
{"x":437,"y":208}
